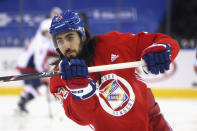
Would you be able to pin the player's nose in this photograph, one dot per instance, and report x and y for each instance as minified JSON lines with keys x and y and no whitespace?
{"x":67,"y":44}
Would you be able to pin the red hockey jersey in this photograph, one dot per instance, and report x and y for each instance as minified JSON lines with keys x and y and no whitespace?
{"x":122,"y":101}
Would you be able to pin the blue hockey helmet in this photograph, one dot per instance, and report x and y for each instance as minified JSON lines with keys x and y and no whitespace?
{"x":66,"y":21}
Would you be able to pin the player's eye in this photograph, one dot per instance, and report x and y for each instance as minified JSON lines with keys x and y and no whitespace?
{"x":60,"y":41}
{"x":69,"y":38}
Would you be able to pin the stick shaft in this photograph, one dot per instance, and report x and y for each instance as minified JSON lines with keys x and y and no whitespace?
{"x":116,"y":66}
{"x":56,"y":73}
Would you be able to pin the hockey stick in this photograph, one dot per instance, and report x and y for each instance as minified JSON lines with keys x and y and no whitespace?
{"x":90,"y":70}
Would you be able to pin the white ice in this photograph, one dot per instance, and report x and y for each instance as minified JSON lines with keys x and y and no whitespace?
{"x":180,"y":113}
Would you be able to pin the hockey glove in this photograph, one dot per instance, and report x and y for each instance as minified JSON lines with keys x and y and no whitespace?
{"x":75,"y":76}
{"x":157,"y":58}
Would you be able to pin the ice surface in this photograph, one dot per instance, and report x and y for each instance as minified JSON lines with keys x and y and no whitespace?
{"x":38,"y":119}
{"x":180,"y":113}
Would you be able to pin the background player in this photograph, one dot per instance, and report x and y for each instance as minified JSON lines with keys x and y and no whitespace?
{"x":35,"y":58}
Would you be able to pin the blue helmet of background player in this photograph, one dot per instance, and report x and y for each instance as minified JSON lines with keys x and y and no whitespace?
{"x":67,"y":21}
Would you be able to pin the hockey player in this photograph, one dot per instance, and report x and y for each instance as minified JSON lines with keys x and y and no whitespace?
{"x":110,"y":100}
{"x":34,"y":59}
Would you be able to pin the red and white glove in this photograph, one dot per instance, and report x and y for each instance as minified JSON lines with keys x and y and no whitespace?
{"x":157,"y":58}
{"x":77,"y":81}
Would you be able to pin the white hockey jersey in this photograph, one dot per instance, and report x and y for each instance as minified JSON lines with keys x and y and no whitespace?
{"x":36,"y":53}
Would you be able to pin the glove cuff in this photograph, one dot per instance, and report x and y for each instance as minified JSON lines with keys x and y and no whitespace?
{"x":85,"y":92}
{"x":155,"y":48}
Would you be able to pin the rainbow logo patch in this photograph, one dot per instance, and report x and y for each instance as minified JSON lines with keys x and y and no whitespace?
{"x":61,"y":95}
{"x":114,"y":94}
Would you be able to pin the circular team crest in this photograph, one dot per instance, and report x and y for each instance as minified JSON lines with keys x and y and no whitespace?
{"x":113,"y":97}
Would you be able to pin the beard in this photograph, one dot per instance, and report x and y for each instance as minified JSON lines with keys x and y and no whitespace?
{"x":74,"y":54}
